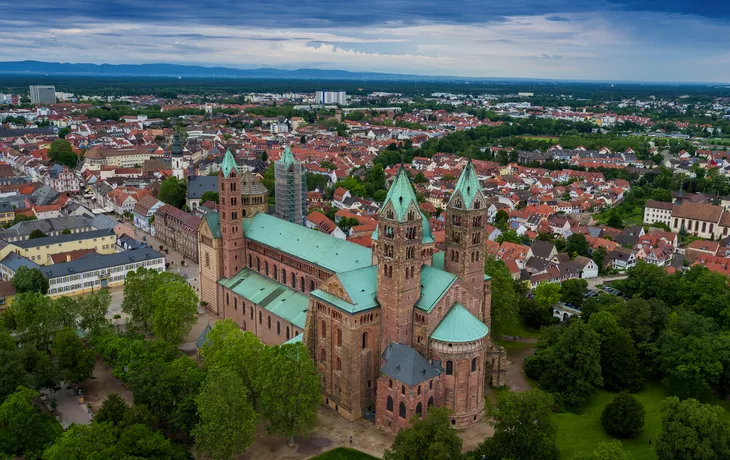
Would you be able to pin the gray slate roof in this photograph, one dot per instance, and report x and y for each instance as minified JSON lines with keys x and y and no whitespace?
{"x":44,"y":195}
{"x":94,"y":261}
{"x":58,"y":224}
{"x":406,"y":365}
{"x":56,"y":239}
{"x":197,"y":185}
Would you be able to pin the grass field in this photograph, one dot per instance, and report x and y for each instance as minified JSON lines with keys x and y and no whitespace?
{"x":344,"y":453}
{"x":519,"y":329}
{"x":582,"y":432}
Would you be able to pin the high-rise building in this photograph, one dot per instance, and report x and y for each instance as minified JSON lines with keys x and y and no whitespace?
{"x":330,"y":97}
{"x":40,"y":94}
{"x":291,"y":189}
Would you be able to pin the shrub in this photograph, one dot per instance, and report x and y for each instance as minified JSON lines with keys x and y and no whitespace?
{"x":623,"y":417}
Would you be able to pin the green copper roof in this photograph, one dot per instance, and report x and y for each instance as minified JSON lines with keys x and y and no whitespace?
{"x":287,"y":157}
{"x":275,"y":297}
{"x":459,"y":326}
{"x":434,"y":284}
{"x":401,"y":195}
{"x":437,"y":260}
{"x":214,"y":222}
{"x":229,"y":164}
{"x":361,"y":286}
{"x":296,"y":339}
{"x":468,"y":186}
{"x":317,"y":248}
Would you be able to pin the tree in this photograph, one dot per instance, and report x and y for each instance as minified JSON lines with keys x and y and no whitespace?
{"x":61,"y":152}
{"x":227,"y":346}
{"x":611,"y":450}
{"x":429,"y":438}
{"x":569,"y":366}
{"x":420,"y":179}
{"x":36,"y":234}
{"x":509,"y":236}
{"x":599,"y":257}
{"x":36,"y":317}
{"x":623,"y":417}
{"x":75,"y":362}
{"x":692,"y":431}
{"x":27,"y":430}
{"x":619,"y":360}
{"x":175,"y":309}
{"x":209,"y":196}
{"x":346,"y":223}
{"x":615,"y":220}
{"x":523,"y":428}
{"x":173,"y":191}
{"x":577,"y":245}
{"x":92,"y":442}
{"x":574,"y":291}
{"x":547,"y":295}
{"x":227,"y":421}
{"x":112,"y":410}
{"x":380,"y":195}
{"x":29,"y":280}
{"x":63,"y":132}
{"x":504,"y":298}
{"x":138,"y":290}
{"x":290,"y":390}
{"x":93,"y":309}
{"x":139,"y":441}
{"x":12,"y":372}
{"x":500,"y":219}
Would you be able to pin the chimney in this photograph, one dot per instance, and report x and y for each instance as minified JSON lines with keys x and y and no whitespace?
{"x":68,"y":257}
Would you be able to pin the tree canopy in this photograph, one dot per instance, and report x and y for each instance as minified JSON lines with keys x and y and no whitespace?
{"x":428,"y":438}
{"x":29,"y":280}
{"x":173,"y":192}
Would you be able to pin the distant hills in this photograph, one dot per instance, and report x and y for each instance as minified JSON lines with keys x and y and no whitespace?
{"x":192,"y":71}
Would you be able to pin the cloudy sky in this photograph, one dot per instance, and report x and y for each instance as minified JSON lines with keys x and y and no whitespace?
{"x":639,"y":40}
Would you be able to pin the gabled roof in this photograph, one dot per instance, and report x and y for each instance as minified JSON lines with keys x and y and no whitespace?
{"x":434,"y":284}
{"x":229,"y":164}
{"x":468,"y":186}
{"x":214,"y":223}
{"x":400,"y":195}
{"x":459,"y":326}
{"x":361,"y":286}
{"x":406,"y":365}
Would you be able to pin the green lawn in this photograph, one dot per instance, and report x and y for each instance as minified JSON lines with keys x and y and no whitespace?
{"x":510,"y":345}
{"x":519,"y":329}
{"x":582,"y":432}
{"x":344,"y":453}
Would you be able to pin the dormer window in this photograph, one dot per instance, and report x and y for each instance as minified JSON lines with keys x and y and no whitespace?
{"x":477,"y":204}
{"x":389,"y":213}
{"x":458,"y":204}
{"x":411,"y":215}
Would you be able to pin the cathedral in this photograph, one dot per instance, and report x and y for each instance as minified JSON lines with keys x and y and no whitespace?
{"x":393,"y":330}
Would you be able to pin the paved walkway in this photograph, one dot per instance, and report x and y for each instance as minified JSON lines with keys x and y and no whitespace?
{"x":516,"y":379}
{"x":593,"y":282}
{"x":68,"y":407}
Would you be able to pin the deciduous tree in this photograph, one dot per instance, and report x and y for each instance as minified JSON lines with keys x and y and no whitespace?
{"x":75,"y":362}
{"x":290,"y":390}
{"x":692,"y":431}
{"x":429,"y":438}
{"x":29,"y":280}
{"x":175,"y":309}
{"x":28,"y":431}
{"x":504,"y":298}
{"x":623,"y":416}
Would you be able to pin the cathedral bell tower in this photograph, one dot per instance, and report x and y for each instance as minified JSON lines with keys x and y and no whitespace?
{"x":231,"y":214}
{"x":466,"y":220}
{"x":398,"y":253}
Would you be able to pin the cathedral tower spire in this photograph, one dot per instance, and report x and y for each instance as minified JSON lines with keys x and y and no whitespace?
{"x":399,"y":259}
{"x":230,"y":203}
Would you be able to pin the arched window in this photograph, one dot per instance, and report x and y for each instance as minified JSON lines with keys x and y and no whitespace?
{"x":235,"y":303}
{"x":389,"y":404}
{"x":390,"y":383}
{"x":324,"y":329}
{"x":338,"y":364}
{"x":430,"y":384}
{"x":311,"y":285}
{"x":402,"y":410}
{"x":287,"y":333}
{"x":250,"y":261}
{"x":339,"y":337}
{"x":228,"y":300}
{"x":403,"y":389}
{"x":283,"y":276}
{"x":322,"y":355}
{"x":258,"y":264}
{"x":449,"y":368}
{"x":276,"y":273}
{"x":278,"y":328}
{"x":260,"y":318}
{"x":419,"y":390}
{"x":474,"y":365}
{"x":301,"y":284}
{"x":419,"y":409}
{"x":268,"y":320}
{"x":430,"y":401}
{"x":266,"y":267}
{"x":364,"y":340}
{"x":294,"y":280}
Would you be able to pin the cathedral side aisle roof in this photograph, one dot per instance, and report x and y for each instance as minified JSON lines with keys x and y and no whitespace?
{"x":275,"y":297}
{"x":434,"y":284}
{"x":459,"y":326}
